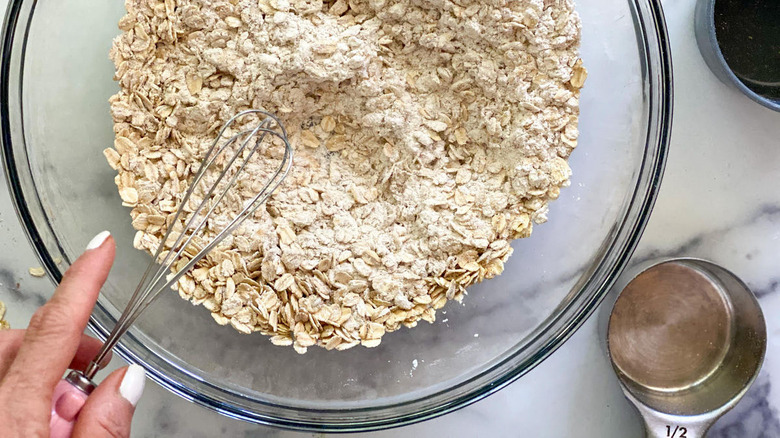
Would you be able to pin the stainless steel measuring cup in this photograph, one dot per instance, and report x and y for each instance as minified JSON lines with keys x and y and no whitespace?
{"x":686,"y":338}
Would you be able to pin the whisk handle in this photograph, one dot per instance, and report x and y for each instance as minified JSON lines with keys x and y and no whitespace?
{"x":69,"y":397}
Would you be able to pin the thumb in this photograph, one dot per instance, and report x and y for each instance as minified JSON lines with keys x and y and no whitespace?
{"x":108,"y":411}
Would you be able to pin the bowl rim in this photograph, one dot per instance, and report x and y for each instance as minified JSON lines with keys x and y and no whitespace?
{"x":565,"y":321}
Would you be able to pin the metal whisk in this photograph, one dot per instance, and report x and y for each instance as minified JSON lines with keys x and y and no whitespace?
{"x":156,"y":279}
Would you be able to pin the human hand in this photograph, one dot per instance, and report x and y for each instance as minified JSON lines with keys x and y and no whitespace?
{"x":33,"y":361}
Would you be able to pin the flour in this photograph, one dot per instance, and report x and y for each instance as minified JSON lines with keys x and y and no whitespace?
{"x":428,"y":134}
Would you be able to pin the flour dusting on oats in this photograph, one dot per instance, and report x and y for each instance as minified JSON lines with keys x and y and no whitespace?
{"x":428,"y":134}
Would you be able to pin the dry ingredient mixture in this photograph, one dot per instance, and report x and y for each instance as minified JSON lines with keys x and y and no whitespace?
{"x":428,"y":134}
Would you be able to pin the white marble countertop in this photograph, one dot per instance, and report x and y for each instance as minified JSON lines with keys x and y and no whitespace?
{"x":719,"y":200}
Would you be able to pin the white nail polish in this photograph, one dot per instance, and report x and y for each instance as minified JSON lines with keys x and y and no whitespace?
{"x":98,"y":240}
{"x":132,"y":385}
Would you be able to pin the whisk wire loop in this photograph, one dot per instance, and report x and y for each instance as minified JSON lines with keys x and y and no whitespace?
{"x":148,"y":290}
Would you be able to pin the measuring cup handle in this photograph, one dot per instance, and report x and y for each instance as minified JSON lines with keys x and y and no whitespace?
{"x":680,"y":427}
{"x":69,"y":397}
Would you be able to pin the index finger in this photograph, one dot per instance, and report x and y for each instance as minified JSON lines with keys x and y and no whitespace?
{"x":55,"y":330}
{"x":11,"y":340}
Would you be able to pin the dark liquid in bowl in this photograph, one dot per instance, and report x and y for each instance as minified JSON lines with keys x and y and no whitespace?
{"x":748,"y":32}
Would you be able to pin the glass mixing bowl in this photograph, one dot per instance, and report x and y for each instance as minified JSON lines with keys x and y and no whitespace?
{"x":56,"y":79}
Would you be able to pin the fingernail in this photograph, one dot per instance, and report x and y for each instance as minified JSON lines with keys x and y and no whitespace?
{"x":98,"y":240}
{"x":132,"y":385}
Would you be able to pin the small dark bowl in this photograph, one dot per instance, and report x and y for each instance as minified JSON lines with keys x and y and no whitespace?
{"x":704,"y":27}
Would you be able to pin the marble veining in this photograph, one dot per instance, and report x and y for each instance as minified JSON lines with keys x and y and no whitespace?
{"x":754,"y":416}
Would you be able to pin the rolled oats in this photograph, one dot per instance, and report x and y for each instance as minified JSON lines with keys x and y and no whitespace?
{"x":428,"y":134}
{"x":4,"y":325}
{"x":37,"y":271}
